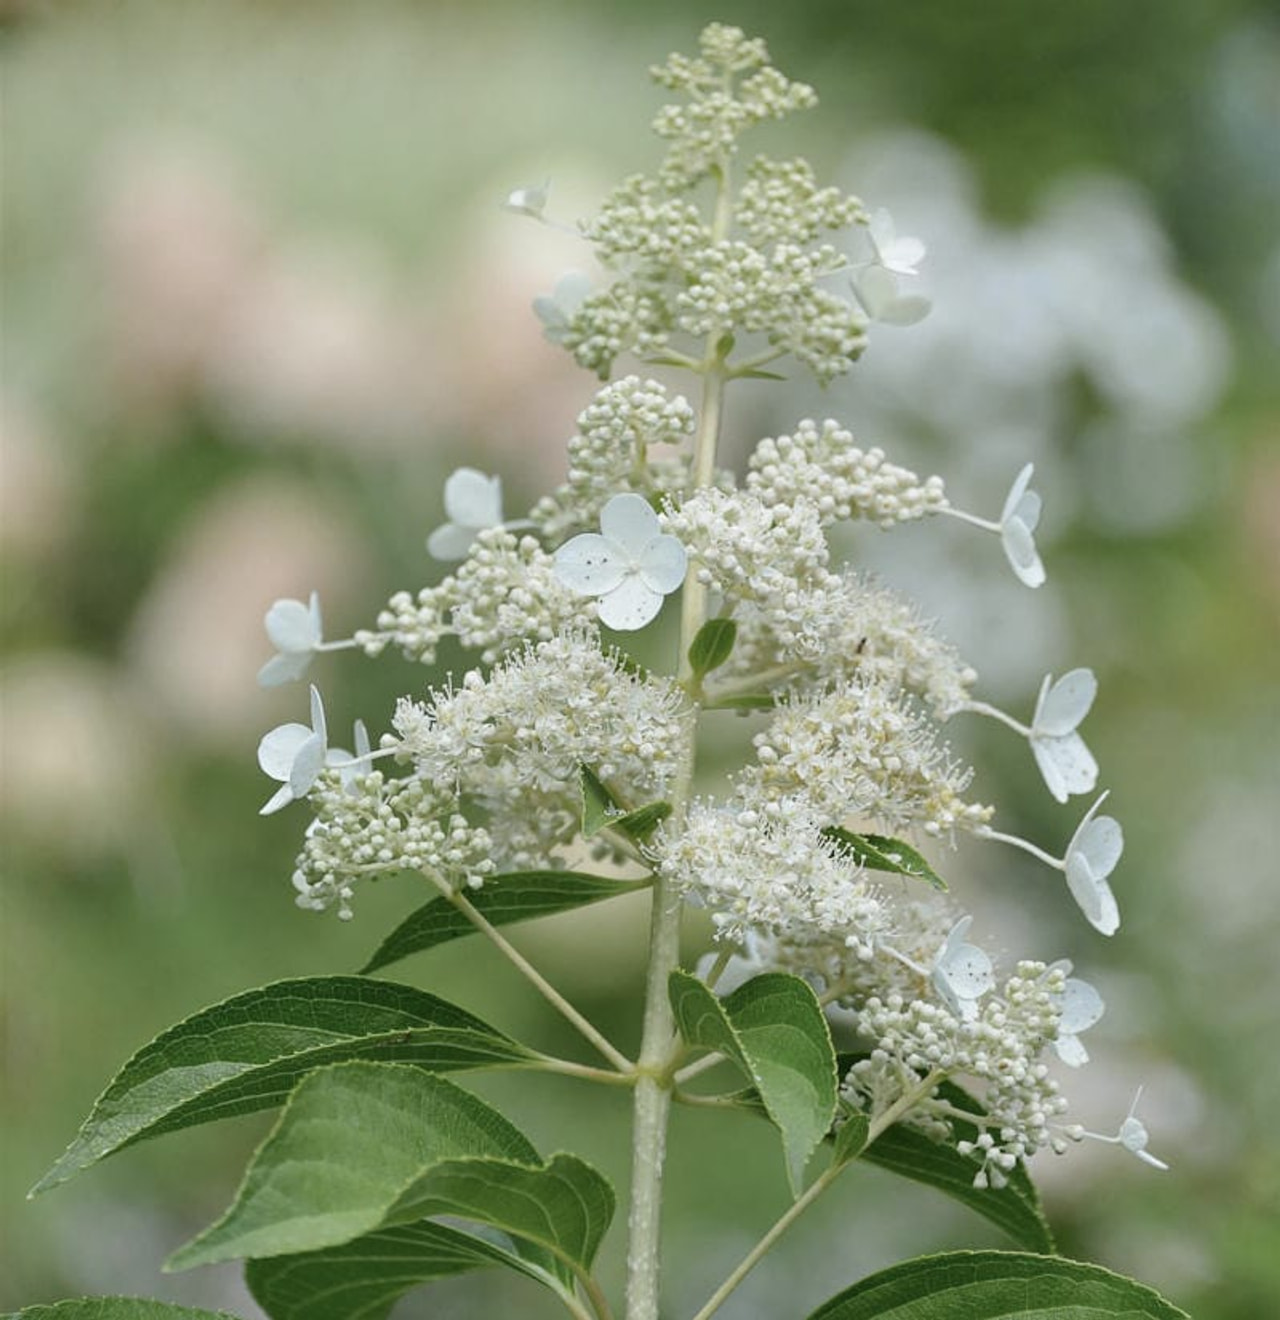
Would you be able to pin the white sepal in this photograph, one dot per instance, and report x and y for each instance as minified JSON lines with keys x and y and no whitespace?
{"x":900,"y":253}
{"x":1018,"y":522}
{"x":530,"y":201}
{"x":630,"y":564}
{"x":1082,"y":1007}
{"x":961,"y":972}
{"x":295,"y":755}
{"x":472,"y":502}
{"x":295,"y":630}
{"x":1092,"y":854}
{"x":876,"y":289}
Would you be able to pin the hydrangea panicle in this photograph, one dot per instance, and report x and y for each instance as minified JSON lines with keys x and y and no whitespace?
{"x":725,"y":266}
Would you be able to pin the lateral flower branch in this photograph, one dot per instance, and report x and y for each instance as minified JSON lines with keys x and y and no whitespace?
{"x":557,"y":770}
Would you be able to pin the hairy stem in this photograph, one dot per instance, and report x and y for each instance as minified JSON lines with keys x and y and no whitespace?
{"x":532,"y":975}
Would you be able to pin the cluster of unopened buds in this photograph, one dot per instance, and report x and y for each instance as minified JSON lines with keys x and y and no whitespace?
{"x":853,"y":685}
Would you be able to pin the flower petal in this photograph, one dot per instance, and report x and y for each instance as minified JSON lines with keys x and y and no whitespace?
{"x":630,"y":522}
{"x":1071,"y":1051}
{"x":291,"y":626}
{"x":1016,"y":491}
{"x":1101,"y":842}
{"x":473,"y":499}
{"x":663,"y":564}
{"x":284,"y":668}
{"x":307,"y":765}
{"x":1067,"y":765}
{"x":1063,"y":706}
{"x":630,"y":605}
{"x":1082,"y":1007}
{"x":1020,"y":550}
{"x":278,"y":748}
{"x":281,"y":798}
{"x":1093,"y":895}
{"x":589,"y":565}
{"x":317,"y":716}
{"x":903,"y":255}
{"x":450,"y":541}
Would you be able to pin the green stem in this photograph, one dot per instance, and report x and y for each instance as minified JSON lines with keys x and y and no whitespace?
{"x":567,"y":1068}
{"x":659,"y":1045}
{"x":531,"y":974}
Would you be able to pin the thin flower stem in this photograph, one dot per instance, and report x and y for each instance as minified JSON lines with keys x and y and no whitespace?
{"x":981,"y":708}
{"x":717,"y":967}
{"x":753,"y":682}
{"x":812,"y":1192}
{"x":753,"y":1257}
{"x":985,"y":523}
{"x":1056,"y":862}
{"x":531,"y":973}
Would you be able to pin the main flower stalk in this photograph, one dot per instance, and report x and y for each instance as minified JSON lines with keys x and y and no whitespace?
{"x":659,"y":1045}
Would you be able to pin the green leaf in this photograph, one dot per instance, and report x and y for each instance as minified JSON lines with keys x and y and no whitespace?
{"x":850,"y":1138}
{"x":248,"y":1052}
{"x":363,"y":1279}
{"x":116,"y":1308}
{"x":758,"y":373}
{"x":882,"y":853}
{"x":502,"y":900}
{"x":713,"y":645}
{"x":1015,"y":1208}
{"x":563,"y":1205}
{"x":641,"y":823}
{"x":362,"y":1147}
{"x":996,"y":1285}
{"x":774,"y":1029}
{"x":598,"y":807}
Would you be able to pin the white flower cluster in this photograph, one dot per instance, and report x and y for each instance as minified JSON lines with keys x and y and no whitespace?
{"x":538,"y":717}
{"x":613,"y":450}
{"x":849,"y":626}
{"x":376,"y":827}
{"x":706,"y":130}
{"x":781,"y":202}
{"x":999,"y":1042}
{"x":761,"y":866}
{"x":864,"y":750}
{"x":747,"y":550}
{"x":678,"y":275}
{"x":504,"y":593}
{"x":856,"y":683}
{"x":825,"y":467}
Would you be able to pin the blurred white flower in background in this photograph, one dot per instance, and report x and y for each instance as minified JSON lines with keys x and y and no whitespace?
{"x":198,"y":627}
{"x":896,"y":252}
{"x":555,"y":310}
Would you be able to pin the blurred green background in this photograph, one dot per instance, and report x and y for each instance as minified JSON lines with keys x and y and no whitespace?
{"x":258,"y":299}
